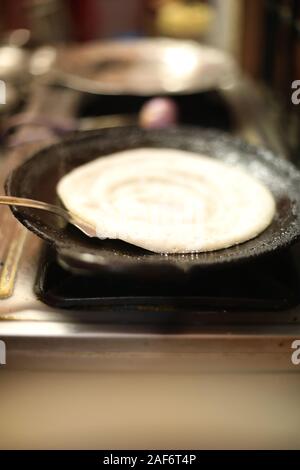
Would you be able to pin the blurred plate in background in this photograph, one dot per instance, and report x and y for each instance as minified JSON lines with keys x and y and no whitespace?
{"x":144,"y":67}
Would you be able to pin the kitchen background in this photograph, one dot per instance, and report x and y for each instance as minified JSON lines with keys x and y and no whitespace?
{"x":263,"y":35}
{"x":66,"y":402}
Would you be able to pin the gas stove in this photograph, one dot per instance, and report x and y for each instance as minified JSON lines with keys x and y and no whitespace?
{"x":244,"y":317}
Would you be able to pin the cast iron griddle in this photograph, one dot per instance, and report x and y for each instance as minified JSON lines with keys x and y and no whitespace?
{"x":37,"y":179}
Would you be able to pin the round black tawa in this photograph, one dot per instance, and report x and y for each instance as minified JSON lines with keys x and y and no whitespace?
{"x":37,"y":179}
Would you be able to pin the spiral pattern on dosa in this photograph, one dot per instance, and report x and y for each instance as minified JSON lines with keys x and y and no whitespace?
{"x":168,"y":200}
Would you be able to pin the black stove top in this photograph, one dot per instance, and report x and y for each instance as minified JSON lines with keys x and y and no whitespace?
{"x":206,"y":109}
{"x":269,"y":284}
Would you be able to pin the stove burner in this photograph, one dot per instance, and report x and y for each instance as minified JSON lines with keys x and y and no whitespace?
{"x":208,"y":109}
{"x":269,"y":284}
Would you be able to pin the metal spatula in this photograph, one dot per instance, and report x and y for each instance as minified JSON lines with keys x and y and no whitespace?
{"x":57,"y":210}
